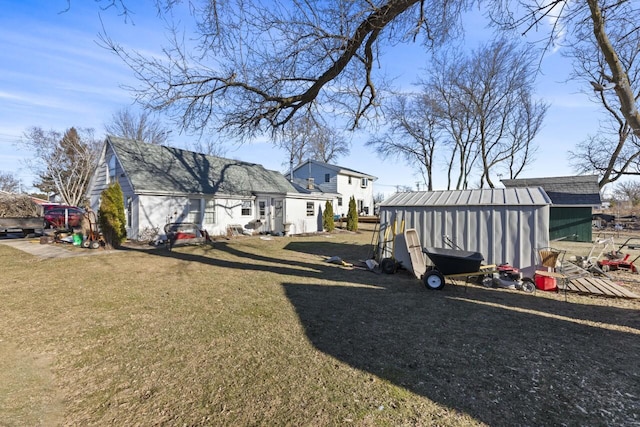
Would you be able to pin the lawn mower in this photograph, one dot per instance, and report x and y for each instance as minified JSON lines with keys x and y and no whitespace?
{"x":616,"y":260}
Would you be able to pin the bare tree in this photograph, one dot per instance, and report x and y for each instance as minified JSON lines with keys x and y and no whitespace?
{"x":327,"y":145}
{"x":607,"y":29}
{"x":478,"y":108}
{"x":209,"y":146}
{"x":257,"y":65}
{"x":304,"y":138}
{"x":414,"y":131}
{"x":295,"y":138}
{"x":141,"y":127}
{"x":614,"y":151}
{"x":497,"y":83}
{"x":9,"y":182}
{"x":64,"y":163}
{"x":628,"y":190}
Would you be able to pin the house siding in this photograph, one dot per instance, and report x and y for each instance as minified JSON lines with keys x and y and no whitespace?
{"x":362,"y":195}
{"x":156,"y":211}
{"x":296,"y":215}
{"x":339,"y":184}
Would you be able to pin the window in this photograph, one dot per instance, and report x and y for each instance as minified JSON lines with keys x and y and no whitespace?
{"x":339,"y":201}
{"x":111,"y":169}
{"x":277,"y":208}
{"x":310,"y":209}
{"x":194,"y":211}
{"x":327,"y":177}
{"x":246,"y":208}
{"x":349,"y":180}
{"x":262,"y":209}
{"x":210,"y":212}
{"x":364,"y":182}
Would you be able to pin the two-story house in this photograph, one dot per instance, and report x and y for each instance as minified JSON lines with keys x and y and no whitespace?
{"x":344,"y":182}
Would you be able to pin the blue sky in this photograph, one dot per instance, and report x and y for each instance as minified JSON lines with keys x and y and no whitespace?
{"x":54,"y":75}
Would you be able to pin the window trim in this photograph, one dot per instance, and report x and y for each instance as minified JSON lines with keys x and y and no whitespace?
{"x":190,"y":212}
{"x":312,"y":211}
{"x":244,"y":210}
{"x":210,"y":211}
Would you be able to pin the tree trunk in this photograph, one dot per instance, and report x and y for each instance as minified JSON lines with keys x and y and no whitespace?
{"x":620,"y":77}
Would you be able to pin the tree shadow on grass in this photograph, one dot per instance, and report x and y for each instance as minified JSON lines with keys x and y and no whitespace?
{"x":503,"y":357}
{"x":252,"y":261}
{"x":498,"y":365}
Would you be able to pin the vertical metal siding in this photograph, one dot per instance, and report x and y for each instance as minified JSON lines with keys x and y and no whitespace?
{"x":501,"y":233}
{"x":570,"y":223}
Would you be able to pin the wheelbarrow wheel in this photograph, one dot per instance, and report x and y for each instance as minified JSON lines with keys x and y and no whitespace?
{"x":388,"y":265}
{"x":94,"y":244}
{"x":433,"y":280}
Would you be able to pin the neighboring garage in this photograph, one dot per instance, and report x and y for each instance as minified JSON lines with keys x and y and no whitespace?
{"x":503,"y":224}
{"x":573,"y":199}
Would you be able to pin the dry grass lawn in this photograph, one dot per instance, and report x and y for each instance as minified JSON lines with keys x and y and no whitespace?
{"x":265,"y":332}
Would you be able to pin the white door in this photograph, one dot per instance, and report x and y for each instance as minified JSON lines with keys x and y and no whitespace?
{"x":264,"y":214}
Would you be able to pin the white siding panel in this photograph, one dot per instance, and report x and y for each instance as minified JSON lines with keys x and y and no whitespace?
{"x":296,"y":215}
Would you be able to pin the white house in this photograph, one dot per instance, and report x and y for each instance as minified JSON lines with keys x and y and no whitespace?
{"x":345,"y":182}
{"x":163,"y":185}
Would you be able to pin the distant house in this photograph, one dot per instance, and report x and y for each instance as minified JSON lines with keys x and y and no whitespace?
{"x":164,"y":184}
{"x":573,"y":199}
{"x":344,"y":182}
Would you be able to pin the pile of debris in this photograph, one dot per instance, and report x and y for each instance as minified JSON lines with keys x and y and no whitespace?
{"x":18,"y":206}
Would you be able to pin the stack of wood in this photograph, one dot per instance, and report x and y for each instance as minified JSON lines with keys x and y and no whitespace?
{"x":18,"y":206}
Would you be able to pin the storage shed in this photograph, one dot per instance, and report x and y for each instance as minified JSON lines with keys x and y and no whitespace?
{"x":503,"y":224}
{"x":573,"y":199}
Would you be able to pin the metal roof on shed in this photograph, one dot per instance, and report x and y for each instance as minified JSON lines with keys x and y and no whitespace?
{"x":524,"y":196}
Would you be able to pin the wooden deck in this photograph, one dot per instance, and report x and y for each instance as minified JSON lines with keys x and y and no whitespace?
{"x":598,"y":286}
{"x":583,"y":282}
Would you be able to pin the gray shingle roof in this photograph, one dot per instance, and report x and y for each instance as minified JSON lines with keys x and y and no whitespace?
{"x":564,"y":190}
{"x":339,"y":169}
{"x":167,"y":170}
{"x":480,"y":197}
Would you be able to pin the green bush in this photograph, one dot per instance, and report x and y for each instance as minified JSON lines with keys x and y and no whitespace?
{"x":327,"y":217}
{"x":352,"y":215}
{"x":111,"y":216}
